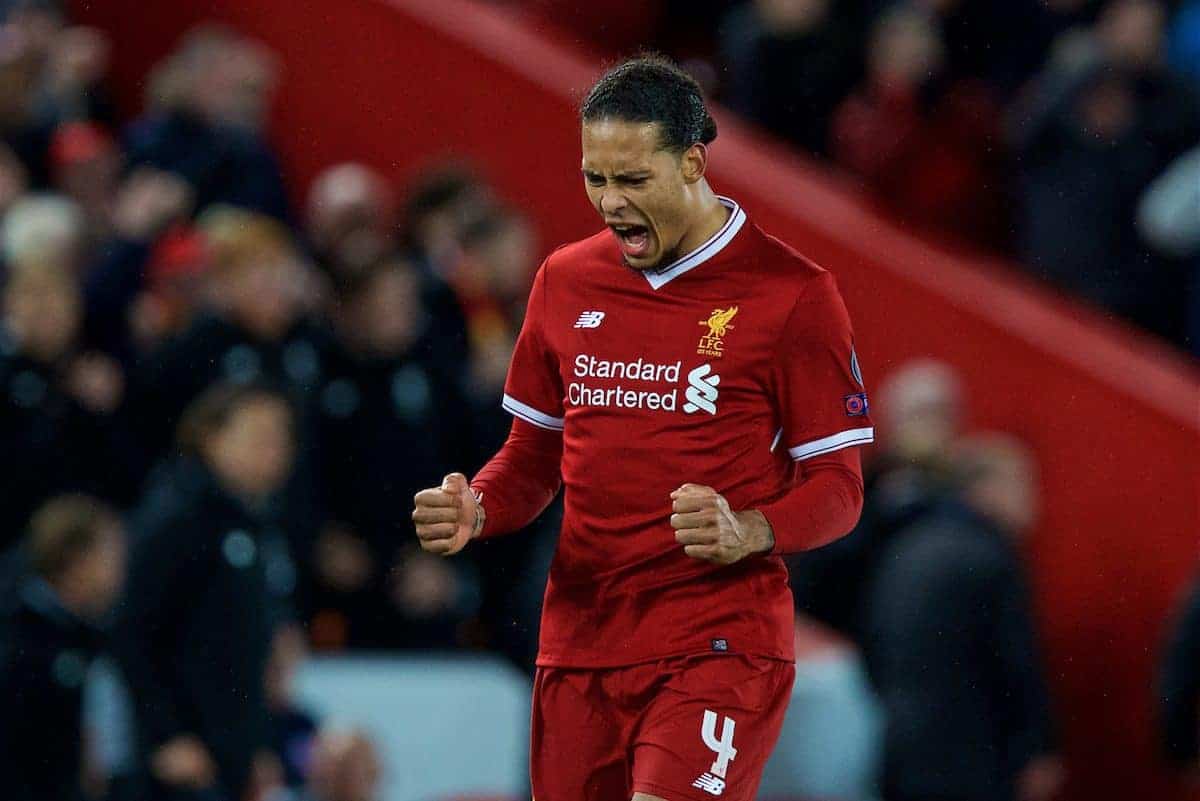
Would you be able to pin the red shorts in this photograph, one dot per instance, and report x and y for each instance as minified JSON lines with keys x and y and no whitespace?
{"x":687,"y":728}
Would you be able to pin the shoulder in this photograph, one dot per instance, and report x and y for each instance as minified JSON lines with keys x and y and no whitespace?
{"x":785,"y":267}
{"x":583,"y":255}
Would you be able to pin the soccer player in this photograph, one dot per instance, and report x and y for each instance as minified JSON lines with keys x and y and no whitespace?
{"x":692,"y":383}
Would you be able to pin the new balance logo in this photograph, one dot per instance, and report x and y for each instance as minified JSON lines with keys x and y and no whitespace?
{"x":710,"y":784}
{"x":590,"y":319}
{"x":702,"y":390}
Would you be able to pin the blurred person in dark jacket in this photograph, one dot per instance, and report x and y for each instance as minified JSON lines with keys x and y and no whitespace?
{"x":63,"y":424}
{"x":351,"y":226}
{"x":207,"y":101}
{"x":384,"y":435}
{"x":1179,"y":689}
{"x":1169,"y":219}
{"x":950,"y":642}
{"x":920,"y":416}
{"x":926,"y":141}
{"x":48,"y":640}
{"x":1101,"y":121}
{"x":194,"y":629}
{"x":790,"y":63}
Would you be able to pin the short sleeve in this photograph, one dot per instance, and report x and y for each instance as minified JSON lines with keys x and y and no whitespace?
{"x":821,"y":398}
{"x":533,"y":390}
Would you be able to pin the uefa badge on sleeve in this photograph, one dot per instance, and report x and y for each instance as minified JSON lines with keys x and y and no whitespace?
{"x":856,"y":404}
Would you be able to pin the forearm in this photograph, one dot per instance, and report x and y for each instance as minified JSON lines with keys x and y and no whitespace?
{"x":823,"y":506}
{"x":521,"y":480}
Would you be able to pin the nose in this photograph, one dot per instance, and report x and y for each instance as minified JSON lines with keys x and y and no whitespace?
{"x":611,"y":202}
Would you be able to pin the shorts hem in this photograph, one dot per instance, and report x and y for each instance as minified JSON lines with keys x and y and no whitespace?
{"x":560,"y":664}
{"x":669,"y":793}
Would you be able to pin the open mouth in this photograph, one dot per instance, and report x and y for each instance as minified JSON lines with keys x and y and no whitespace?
{"x":634,"y":239}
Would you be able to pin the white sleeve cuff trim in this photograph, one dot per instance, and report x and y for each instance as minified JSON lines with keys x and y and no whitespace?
{"x":842,"y":439}
{"x":531,"y":415}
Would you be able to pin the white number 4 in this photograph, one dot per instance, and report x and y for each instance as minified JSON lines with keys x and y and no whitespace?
{"x":724,"y":746}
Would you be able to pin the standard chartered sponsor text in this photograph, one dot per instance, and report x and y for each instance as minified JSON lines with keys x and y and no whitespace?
{"x":639,"y":370}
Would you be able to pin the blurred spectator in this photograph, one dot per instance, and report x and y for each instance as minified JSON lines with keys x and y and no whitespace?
{"x":1169,"y":219}
{"x":147,"y":204}
{"x":76,"y":549}
{"x":351,"y":220}
{"x":950,"y":644}
{"x":62,"y":410}
{"x":790,"y":64}
{"x":254,"y":325}
{"x":439,"y":205}
{"x":920,"y":416}
{"x":345,"y":767}
{"x":85,"y":166}
{"x":1100,"y":123}
{"x":293,"y":729}
{"x":206,"y":102}
{"x":195,"y":627}
{"x":1179,"y":689}
{"x":926,"y":141}
{"x":44,"y":229}
{"x":386,"y":394}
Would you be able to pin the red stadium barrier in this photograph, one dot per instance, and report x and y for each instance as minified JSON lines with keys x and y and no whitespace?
{"x":1114,"y":418}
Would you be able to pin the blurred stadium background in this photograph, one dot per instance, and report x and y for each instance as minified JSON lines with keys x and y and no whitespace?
{"x":341,"y":204}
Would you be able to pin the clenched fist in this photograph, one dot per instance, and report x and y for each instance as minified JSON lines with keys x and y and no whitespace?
{"x":447,"y":517}
{"x":707,"y":528}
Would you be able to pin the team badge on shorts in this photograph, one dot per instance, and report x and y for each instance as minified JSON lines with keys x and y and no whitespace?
{"x":856,"y":404}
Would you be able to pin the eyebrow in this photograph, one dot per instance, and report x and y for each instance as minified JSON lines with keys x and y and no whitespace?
{"x":633,"y":174}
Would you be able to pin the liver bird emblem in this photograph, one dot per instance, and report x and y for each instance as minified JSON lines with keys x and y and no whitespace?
{"x":718,"y":322}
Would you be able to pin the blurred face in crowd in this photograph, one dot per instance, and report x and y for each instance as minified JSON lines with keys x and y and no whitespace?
{"x":252,"y":452}
{"x":92,"y":583}
{"x":920,"y":410}
{"x":42,"y":311}
{"x":905,"y":49}
{"x":390,"y":312}
{"x":1001,"y":480}
{"x":646,"y":194}
{"x":787,"y":17}
{"x":350,"y":211}
{"x":345,"y":767}
{"x":1132,"y":32}
{"x":266,"y":293}
{"x":506,"y":256}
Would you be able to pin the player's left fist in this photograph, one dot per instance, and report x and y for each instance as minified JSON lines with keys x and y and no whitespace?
{"x":708,"y":529}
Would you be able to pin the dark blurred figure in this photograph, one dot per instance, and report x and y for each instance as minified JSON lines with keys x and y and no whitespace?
{"x":352,"y":225}
{"x":950,"y":643}
{"x":439,"y":206}
{"x":254,"y":327}
{"x":919,"y":410}
{"x":350,"y":220}
{"x":926,"y":141}
{"x":76,"y":552}
{"x":1184,"y":41}
{"x":384,"y":432}
{"x":345,"y":767}
{"x":207,"y":104}
{"x":1100,"y":123}
{"x":1179,"y":690}
{"x":790,"y":63}
{"x":63,"y":424}
{"x":293,"y":729}
{"x":130,"y":225}
{"x":195,"y":627}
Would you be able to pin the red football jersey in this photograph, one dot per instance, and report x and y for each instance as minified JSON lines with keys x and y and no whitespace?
{"x":727,"y":368}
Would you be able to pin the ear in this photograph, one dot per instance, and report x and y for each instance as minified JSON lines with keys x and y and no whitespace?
{"x":694,"y":162}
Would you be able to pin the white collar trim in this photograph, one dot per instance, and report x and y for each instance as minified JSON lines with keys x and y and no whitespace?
{"x":715,"y":244}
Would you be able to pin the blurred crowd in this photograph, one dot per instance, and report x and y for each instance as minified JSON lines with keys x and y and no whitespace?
{"x":216,"y":405}
{"x":1065,"y":133}
{"x":215,"y":408}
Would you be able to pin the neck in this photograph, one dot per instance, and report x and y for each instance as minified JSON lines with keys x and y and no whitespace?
{"x":711,"y":215}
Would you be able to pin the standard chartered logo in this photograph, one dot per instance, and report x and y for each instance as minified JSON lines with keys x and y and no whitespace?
{"x":640,"y":384}
{"x":702,"y":390}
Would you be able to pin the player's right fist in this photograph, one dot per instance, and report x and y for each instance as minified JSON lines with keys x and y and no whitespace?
{"x":447,"y":517}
